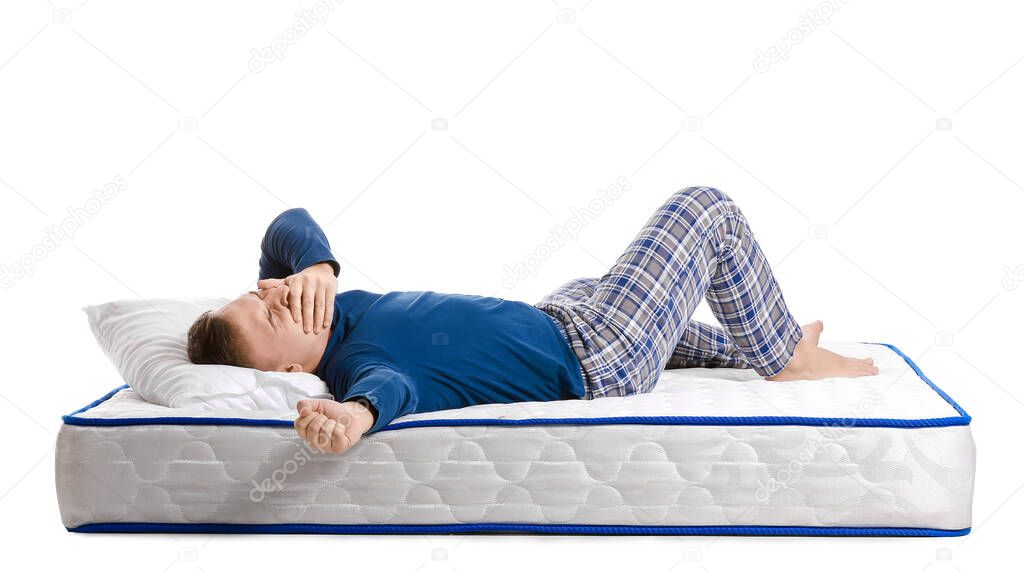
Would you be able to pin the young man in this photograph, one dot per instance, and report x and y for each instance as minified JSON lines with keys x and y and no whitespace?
{"x":388,"y":355}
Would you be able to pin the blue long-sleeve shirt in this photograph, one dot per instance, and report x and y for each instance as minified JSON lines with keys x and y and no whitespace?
{"x":410,"y":352}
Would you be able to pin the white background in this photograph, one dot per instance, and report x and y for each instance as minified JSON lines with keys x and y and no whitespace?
{"x":878,"y":162}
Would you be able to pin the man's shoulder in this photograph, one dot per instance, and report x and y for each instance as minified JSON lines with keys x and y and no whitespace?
{"x":358,"y":294}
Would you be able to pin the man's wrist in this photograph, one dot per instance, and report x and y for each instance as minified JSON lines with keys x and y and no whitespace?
{"x":332,"y":266}
{"x":367,"y":412}
{"x":322,"y":267}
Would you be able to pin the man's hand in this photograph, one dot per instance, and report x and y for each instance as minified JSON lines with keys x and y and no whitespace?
{"x":310,"y":295}
{"x":331,"y":426}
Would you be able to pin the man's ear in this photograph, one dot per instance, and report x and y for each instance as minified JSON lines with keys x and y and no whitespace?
{"x":294,"y":368}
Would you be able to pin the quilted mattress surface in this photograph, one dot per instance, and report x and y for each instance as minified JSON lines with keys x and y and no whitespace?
{"x":709,"y":451}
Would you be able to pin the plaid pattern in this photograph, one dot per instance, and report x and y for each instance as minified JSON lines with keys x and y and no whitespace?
{"x":633,"y":322}
{"x":705,"y":345}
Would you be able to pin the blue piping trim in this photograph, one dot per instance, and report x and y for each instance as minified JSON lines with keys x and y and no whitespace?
{"x":97,"y":402}
{"x":962,"y":419}
{"x":220,"y":528}
{"x":924,"y":377}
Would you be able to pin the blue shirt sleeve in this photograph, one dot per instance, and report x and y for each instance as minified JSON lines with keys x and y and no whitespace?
{"x":292,"y":243}
{"x":391,"y":393}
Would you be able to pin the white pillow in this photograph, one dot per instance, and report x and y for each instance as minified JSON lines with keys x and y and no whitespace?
{"x":145,"y":339}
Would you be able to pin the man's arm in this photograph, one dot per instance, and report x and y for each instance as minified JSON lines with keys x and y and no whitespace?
{"x":374,"y":400}
{"x":292,"y":243}
{"x":295,"y":253}
{"x":389,"y":393}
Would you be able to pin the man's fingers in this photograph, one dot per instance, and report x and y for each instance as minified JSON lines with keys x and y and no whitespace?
{"x":307,"y":309}
{"x":318,"y":311}
{"x":329,"y":309}
{"x":340,"y":441}
{"x":302,"y":424}
{"x":269,"y":283}
{"x":295,"y":301}
{"x":326,"y":434}
{"x":313,"y":431}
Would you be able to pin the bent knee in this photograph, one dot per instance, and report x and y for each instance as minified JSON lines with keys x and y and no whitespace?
{"x":706,"y":198}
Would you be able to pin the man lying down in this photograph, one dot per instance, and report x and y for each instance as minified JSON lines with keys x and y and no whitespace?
{"x":388,"y":355}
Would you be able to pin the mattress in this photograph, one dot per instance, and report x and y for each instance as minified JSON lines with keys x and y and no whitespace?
{"x":709,"y":451}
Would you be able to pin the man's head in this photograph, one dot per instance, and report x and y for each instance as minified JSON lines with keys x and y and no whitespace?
{"x":256,"y":330}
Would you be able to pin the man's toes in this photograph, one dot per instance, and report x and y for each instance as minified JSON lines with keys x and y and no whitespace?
{"x":869,"y":365}
{"x":812,"y":331}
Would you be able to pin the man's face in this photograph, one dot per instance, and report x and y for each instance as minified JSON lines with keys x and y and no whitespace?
{"x":272,"y":339}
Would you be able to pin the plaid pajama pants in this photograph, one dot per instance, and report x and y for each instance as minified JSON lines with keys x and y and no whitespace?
{"x":633,"y":322}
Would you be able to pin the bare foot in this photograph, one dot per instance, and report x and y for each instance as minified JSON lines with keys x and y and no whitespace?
{"x":811,"y":362}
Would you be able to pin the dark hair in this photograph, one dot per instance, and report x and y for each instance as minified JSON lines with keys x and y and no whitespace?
{"x":214,"y":340}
